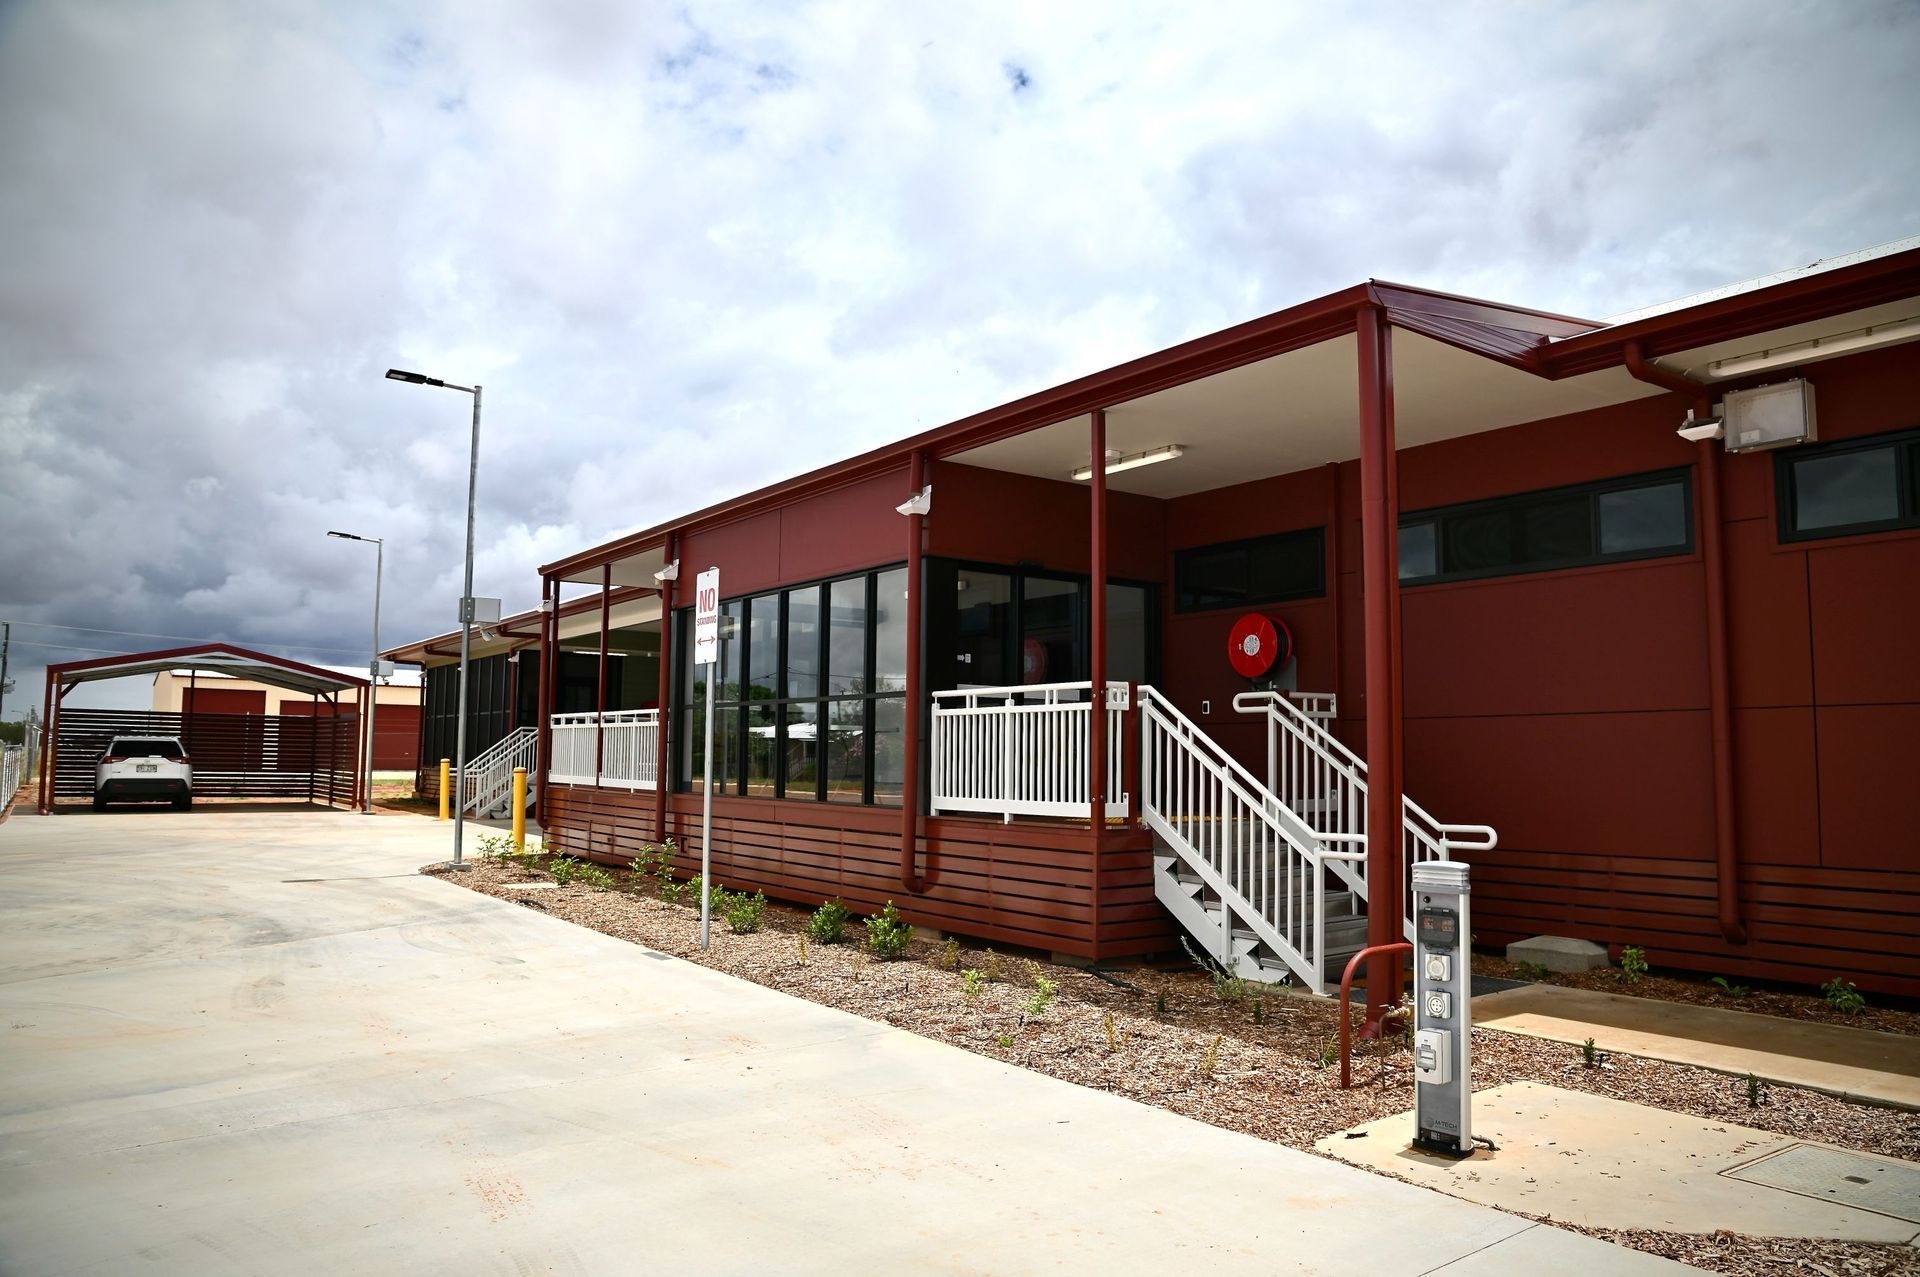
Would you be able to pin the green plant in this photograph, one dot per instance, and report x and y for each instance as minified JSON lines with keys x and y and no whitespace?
{"x":743,"y":911}
{"x":1006,"y":1042}
{"x":947,"y":957}
{"x":1843,"y":997}
{"x":663,"y":861}
{"x":1329,"y":1054}
{"x":1531,"y":970}
{"x":972,"y":983}
{"x":1756,"y":1093}
{"x":1113,"y":1039}
{"x":1259,"y":1011}
{"x":495,"y":847}
{"x":990,"y":963}
{"x":1731,"y":989}
{"x":1211,"y":1059}
{"x":888,"y":934}
{"x":803,"y":950}
{"x":675,"y":892}
{"x":1589,"y":1054}
{"x":1226,"y":986}
{"x":829,"y":922}
{"x":594,"y":877}
{"x":1043,"y":994}
{"x":564,"y":869}
{"x":1633,"y":964}
{"x":1160,"y":1004}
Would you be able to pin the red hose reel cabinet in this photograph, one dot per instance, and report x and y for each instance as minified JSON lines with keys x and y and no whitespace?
{"x":1257,"y":645}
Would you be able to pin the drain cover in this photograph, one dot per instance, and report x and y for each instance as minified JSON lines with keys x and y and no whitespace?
{"x":1833,"y":1175}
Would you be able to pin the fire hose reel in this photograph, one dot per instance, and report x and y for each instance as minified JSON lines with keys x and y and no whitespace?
{"x":1258,"y":645}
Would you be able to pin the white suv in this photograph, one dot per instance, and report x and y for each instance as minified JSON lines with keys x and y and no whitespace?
{"x":144,"y":768}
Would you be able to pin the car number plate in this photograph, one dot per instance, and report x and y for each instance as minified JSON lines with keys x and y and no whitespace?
{"x":146,"y":767}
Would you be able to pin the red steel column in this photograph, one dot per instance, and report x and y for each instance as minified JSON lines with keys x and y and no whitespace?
{"x":543,"y":706}
{"x":46,"y":750}
{"x":600,"y":718}
{"x":1097,"y":663}
{"x":662,"y":765}
{"x":910,"y":725}
{"x":1380,"y":584}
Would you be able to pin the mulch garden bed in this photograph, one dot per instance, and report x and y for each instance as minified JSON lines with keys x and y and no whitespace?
{"x":1254,"y":1059}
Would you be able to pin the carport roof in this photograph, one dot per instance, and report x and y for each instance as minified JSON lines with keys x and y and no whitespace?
{"x":222,"y":658}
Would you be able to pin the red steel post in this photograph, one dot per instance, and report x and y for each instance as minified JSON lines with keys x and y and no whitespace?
{"x":1380,"y":583}
{"x":1097,"y":660}
{"x":662,"y":768}
{"x":46,"y":751}
{"x":600,"y":717}
{"x":910,"y":880}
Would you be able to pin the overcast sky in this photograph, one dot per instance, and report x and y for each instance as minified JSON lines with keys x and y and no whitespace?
{"x":692,"y":250}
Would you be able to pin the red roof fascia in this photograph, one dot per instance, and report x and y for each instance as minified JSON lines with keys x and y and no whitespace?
{"x":186,"y":654}
{"x":510,"y":625}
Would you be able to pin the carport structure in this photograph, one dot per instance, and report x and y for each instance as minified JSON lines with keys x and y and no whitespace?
{"x":314,"y":756}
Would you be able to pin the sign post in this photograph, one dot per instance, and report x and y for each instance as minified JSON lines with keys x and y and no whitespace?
{"x":706,"y":651}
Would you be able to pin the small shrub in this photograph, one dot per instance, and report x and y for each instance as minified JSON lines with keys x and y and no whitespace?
{"x":888,"y":934}
{"x":675,"y":892}
{"x":564,"y":869}
{"x":1227,"y":986}
{"x":803,"y":950}
{"x":972,"y":983}
{"x":1006,"y":1042}
{"x":663,"y":861}
{"x":990,"y":964}
{"x":1589,"y":1054}
{"x":1211,"y":1059}
{"x":1259,"y":1011}
{"x":1329,"y":1054}
{"x":594,"y":877}
{"x":1531,"y":970}
{"x":1633,"y":964}
{"x":1843,"y":997}
{"x":1756,"y":1093}
{"x":1732,"y":990}
{"x":743,"y":912}
{"x":1043,"y":995}
{"x":1113,"y":1039}
{"x":1160,"y":1004}
{"x":947,"y":958}
{"x":495,"y":847}
{"x":829,"y":922}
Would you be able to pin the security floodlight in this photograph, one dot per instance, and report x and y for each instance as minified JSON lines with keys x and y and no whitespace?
{"x":671,"y":572}
{"x":920,"y":502}
{"x":1699,"y":430}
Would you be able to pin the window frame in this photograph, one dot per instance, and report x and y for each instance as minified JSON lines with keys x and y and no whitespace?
{"x":1515,"y":502}
{"x":1182,"y":557}
{"x":939,"y":663}
{"x":1905,"y":444}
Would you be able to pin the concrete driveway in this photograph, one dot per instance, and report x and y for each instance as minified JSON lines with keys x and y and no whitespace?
{"x":245,"y":1041}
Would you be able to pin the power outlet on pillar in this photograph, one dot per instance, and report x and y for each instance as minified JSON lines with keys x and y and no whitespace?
{"x":1442,"y":1010}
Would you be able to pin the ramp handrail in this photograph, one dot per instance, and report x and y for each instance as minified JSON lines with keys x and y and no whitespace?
{"x":489,"y":777}
{"x":1023,"y":750}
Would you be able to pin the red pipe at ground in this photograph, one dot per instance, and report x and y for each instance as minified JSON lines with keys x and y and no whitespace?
{"x":1719,"y":692}
{"x":1380,"y":582}
{"x":910,"y":880}
{"x":1366,"y":955}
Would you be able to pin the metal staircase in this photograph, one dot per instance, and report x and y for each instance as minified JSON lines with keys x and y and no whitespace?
{"x":1270,"y":877}
{"x":487,"y":789}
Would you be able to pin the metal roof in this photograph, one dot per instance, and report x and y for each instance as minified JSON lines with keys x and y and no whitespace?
{"x":221,"y":658}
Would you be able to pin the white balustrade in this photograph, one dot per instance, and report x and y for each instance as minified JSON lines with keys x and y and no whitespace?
{"x":625,"y":744}
{"x":1024,"y":751}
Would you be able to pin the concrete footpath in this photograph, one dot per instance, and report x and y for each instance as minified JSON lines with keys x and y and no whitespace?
{"x":245,"y":1041}
{"x":1855,"y":1064}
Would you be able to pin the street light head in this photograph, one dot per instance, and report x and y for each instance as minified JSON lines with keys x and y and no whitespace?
{"x":344,"y":536}
{"x":416,"y":378}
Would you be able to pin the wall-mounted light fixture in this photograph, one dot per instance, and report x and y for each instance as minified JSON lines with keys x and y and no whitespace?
{"x":1133,"y":461}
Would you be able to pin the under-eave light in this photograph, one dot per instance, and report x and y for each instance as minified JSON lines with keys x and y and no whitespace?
{"x":1133,"y":461}
{"x":1803,"y":352}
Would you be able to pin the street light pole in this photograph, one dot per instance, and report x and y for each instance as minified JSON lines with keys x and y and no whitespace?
{"x":466,"y":610}
{"x":373,"y":667}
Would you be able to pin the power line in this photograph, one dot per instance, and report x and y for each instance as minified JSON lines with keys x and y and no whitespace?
{"x":183,"y":638}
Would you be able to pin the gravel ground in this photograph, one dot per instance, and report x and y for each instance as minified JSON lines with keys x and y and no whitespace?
{"x":1264,"y":1065}
{"x":1780,"y":1000}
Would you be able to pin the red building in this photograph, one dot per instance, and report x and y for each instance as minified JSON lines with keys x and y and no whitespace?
{"x":1676,"y":675}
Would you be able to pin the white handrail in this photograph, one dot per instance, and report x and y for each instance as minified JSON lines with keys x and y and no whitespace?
{"x":489,"y":778}
{"x":617,"y":750}
{"x":1262,"y":864}
{"x":1023,"y":751}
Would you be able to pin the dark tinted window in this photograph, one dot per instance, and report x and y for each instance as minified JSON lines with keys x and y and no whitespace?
{"x":1292,"y":565}
{"x":1858,"y":485}
{"x":1632,"y":518}
{"x":158,"y":747}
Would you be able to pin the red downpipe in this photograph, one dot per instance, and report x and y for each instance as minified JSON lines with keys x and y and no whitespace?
{"x":542,"y":727}
{"x":910,"y":880}
{"x":600,"y":695}
{"x":1380,"y":581}
{"x":662,"y":771}
{"x":1719,"y":695}
{"x":46,"y":750}
{"x":1097,"y":696}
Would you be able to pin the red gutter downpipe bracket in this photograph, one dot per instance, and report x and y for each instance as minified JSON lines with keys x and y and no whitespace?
{"x":1719,"y":695}
{"x":910,"y":879}
{"x":1346,"y":991}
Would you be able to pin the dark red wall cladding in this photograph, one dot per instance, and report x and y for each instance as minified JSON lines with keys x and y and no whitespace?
{"x":1569,"y":709}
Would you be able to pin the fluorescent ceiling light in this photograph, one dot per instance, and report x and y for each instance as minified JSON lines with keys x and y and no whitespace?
{"x":1802,"y":352}
{"x":1152,"y":456}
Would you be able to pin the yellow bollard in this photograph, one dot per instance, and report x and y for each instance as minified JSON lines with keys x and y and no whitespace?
{"x":519,"y":809}
{"x":445,"y":781}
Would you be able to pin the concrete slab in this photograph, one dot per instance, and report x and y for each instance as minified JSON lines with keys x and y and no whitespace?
{"x":1605,"y":1163}
{"x":1858,"y":1064}
{"x":1559,"y":953}
{"x":240,"y":1043}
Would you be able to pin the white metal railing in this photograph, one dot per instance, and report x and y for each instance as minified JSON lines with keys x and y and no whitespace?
{"x":488,"y":780}
{"x":13,"y":769}
{"x":625,"y":743}
{"x":1317,"y":776}
{"x":1024,"y":751}
{"x":1263,"y":865}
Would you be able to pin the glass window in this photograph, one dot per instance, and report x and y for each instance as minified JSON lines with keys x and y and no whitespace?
{"x":800,"y":745}
{"x":1419,"y":552}
{"x":1643,"y":518}
{"x":763,"y":646}
{"x":1558,"y":530}
{"x":803,"y":642}
{"x":890,"y":631}
{"x":1128,"y":632}
{"x":730,"y":636}
{"x":889,"y":751}
{"x":1272,"y":569}
{"x":1049,"y":630}
{"x":845,"y":754}
{"x":1861,"y":486}
{"x":762,"y":750}
{"x":847,"y":637}
{"x":1478,"y":542}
